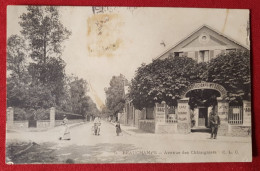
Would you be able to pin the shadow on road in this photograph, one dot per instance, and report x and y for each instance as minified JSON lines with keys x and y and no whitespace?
{"x":99,"y":153}
{"x":106,"y":153}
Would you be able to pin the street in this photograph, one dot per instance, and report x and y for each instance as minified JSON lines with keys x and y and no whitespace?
{"x":84,"y":147}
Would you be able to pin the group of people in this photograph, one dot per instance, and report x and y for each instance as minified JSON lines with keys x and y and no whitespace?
{"x":65,"y":131}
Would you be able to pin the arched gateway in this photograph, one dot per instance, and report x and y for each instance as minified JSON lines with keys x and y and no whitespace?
{"x":206,"y":85}
{"x":197,"y":117}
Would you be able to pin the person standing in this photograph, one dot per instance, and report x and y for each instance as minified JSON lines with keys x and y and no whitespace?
{"x":214,"y":124}
{"x":118,"y":128}
{"x":65,"y":135}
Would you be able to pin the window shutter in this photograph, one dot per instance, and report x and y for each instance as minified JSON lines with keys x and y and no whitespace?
{"x":211,"y":54}
{"x":196,"y":56}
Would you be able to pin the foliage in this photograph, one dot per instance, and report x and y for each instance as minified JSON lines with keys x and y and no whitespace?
{"x":105,"y":112}
{"x":51,"y":75}
{"x":81,"y":103}
{"x":36,"y":78}
{"x":115,"y":96}
{"x":162,"y":80}
{"x":16,"y":56}
{"x":232,"y":71}
{"x":41,"y":26}
{"x":167,"y":79}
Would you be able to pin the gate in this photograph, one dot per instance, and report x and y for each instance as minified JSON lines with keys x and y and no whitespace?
{"x":32,"y":123}
{"x":235,"y":115}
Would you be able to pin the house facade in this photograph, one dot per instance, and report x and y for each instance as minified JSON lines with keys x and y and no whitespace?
{"x":203,"y":45}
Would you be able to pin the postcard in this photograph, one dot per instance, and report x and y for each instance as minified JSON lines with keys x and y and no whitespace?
{"x":127,"y":85}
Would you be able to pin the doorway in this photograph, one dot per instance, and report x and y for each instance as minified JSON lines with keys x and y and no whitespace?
{"x":203,"y":117}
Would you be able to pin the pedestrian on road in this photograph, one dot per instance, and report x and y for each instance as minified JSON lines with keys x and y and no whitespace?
{"x":97,"y":125}
{"x":65,"y":134}
{"x":214,"y":124}
{"x":118,"y":128}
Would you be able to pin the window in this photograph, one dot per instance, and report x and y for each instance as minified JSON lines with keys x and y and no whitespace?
{"x":203,"y":56}
{"x":178,"y":54}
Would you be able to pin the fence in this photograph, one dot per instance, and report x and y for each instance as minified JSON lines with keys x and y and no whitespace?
{"x":235,"y":115}
{"x":171,"y":115}
{"x":42,"y":118}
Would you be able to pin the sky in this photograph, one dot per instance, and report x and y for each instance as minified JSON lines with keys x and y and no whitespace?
{"x":118,"y":40}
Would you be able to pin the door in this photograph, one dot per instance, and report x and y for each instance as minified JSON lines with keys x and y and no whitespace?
{"x":203,"y":117}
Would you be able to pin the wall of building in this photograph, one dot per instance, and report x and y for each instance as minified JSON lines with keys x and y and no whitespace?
{"x":192,"y":45}
{"x":122,"y":118}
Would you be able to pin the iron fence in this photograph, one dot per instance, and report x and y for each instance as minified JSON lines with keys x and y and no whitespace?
{"x":235,"y":115}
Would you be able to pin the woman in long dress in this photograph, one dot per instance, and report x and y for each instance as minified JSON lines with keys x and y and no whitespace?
{"x":118,"y":129}
{"x":65,"y":135}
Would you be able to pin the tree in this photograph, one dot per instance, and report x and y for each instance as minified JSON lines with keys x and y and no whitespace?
{"x":78,"y":89}
{"x":16,"y":57}
{"x":51,"y":75}
{"x":232,"y":71}
{"x":166,"y":80}
{"x":115,"y":95}
{"x":163,"y":80}
{"x":45,"y":33}
{"x":17,"y":76}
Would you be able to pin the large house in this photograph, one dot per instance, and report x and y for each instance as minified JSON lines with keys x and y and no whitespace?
{"x":202,"y":45}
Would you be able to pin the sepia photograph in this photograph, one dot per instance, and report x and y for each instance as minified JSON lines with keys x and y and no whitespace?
{"x":100,"y":84}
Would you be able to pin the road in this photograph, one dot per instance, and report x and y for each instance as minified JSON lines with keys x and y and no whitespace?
{"x":84,"y":147}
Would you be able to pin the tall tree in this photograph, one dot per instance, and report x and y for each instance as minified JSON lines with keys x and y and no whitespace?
{"x":45,"y":33}
{"x":115,"y":97}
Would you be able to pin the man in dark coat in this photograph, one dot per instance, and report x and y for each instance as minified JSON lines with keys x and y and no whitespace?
{"x":214,"y":124}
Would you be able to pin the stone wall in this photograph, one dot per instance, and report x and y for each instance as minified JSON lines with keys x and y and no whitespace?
{"x":164,"y":128}
{"x":147,"y":125}
{"x":239,"y":130}
{"x":183,"y":128}
{"x":71,"y":121}
{"x":19,"y":125}
{"x":223,"y":128}
{"x":43,"y":123}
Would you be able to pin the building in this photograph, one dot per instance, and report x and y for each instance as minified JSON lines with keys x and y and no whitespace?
{"x":202,"y":45}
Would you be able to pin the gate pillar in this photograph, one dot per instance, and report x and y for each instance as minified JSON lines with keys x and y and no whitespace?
{"x":184,"y":121}
{"x":222,"y":112}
